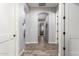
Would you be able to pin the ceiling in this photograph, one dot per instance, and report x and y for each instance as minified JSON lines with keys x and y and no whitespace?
{"x":46,"y":5}
{"x":42,"y":16}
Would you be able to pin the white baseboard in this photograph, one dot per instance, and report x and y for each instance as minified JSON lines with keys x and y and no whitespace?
{"x":20,"y":54}
{"x":53,"y":42}
{"x":37,"y":42}
{"x":31,"y":42}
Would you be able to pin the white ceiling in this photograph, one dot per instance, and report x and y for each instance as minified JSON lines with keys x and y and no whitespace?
{"x":42,"y":16}
{"x":47,"y":5}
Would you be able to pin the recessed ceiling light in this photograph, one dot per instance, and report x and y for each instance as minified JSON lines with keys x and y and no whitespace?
{"x":42,"y":4}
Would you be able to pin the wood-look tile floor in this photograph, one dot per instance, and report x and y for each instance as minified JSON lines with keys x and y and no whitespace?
{"x":41,"y":50}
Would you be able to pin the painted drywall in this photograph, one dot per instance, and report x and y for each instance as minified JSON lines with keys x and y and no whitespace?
{"x":20,"y":17}
{"x":31,"y":27}
{"x":52,"y":28}
{"x":32,"y":24}
{"x":22,"y":24}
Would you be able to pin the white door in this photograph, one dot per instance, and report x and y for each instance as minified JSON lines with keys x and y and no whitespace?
{"x":7,"y":30}
{"x":72,"y":29}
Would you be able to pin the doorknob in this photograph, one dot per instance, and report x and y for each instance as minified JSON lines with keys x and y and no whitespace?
{"x":14,"y":35}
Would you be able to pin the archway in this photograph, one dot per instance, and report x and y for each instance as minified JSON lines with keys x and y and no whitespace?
{"x":42,"y":28}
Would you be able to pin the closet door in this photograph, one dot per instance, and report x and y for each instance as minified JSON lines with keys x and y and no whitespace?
{"x":7,"y":30}
{"x":72,"y":29}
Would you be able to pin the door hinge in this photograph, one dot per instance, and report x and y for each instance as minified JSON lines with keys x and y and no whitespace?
{"x":64,"y":17}
{"x":64,"y":33}
{"x":64,"y":48}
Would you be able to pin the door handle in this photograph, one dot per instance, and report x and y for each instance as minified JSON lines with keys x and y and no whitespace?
{"x":14,"y":35}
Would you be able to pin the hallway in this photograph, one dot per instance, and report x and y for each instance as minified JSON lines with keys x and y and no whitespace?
{"x":40,"y":39}
{"x":39,"y":29}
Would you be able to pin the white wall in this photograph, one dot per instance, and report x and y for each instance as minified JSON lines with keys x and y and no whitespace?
{"x":23,"y":15}
{"x":52,"y":28}
{"x":20,"y":16}
{"x":31,"y":27}
{"x":21,"y":28}
{"x":32,"y":24}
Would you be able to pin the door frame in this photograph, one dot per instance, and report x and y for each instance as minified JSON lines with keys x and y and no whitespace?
{"x":61,"y":37}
